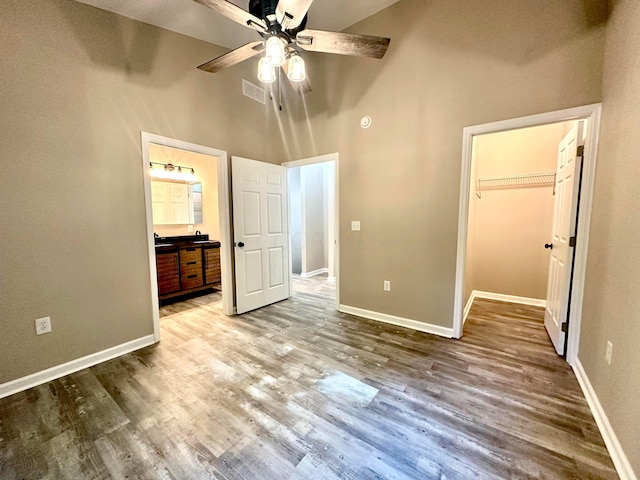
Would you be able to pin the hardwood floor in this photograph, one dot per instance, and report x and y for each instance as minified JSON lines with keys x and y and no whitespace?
{"x":298,"y":391}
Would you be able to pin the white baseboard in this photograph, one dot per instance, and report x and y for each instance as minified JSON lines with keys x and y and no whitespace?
{"x":536,"y":302}
{"x":38,"y":378}
{"x":618,"y":456}
{"x":399,"y":321}
{"x":320,"y":271}
{"x":467,"y":307}
{"x":331,"y":279}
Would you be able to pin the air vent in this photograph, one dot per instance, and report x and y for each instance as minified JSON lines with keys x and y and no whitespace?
{"x":254,"y":91}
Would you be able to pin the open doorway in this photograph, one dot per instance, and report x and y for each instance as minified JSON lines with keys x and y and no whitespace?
{"x":313,"y":229}
{"x":205,"y":224}
{"x":512,"y":198}
{"x":591,"y":114}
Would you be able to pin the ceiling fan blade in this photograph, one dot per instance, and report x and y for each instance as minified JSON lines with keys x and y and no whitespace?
{"x":290,"y":13}
{"x":234,"y":56}
{"x":300,"y":87}
{"x":342,"y":43}
{"x":235,"y":13}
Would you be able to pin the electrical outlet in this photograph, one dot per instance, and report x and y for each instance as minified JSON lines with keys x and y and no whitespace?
{"x":43,"y":325}
{"x":190,"y":228}
{"x":355,"y":225}
{"x":607,"y":356}
{"x":387,"y":285}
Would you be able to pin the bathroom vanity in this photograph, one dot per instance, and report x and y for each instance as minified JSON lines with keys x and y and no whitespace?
{"x":187,"y":264}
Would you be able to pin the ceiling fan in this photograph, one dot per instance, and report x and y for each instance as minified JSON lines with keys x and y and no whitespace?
{"x":281,"y":24}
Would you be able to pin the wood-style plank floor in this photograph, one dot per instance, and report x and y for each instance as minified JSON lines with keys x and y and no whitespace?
{"x":298,"y":391}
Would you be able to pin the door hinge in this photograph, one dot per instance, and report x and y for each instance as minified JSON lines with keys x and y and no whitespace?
{"x":563,"y":327}
{"x":580,"y":152}
{"x":572,"y":241}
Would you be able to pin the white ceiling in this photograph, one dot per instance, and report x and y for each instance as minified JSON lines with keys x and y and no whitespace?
{"x":192,"y":19}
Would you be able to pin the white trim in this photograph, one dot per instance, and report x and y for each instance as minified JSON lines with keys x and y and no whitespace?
{"x":224,"y":218}
{"x":620,"y":461}
{"x":313,"y":273}
{"x":467,"y":307}
{"x":331,"y":279}
{"x":38,"y":378}
{"x":399,"y":321}
{"x":501,"y":297}
{"x":582,"y":233}
{"x":321,"y":159}
{"x":329,"y":157}
{"x":592,"y":114}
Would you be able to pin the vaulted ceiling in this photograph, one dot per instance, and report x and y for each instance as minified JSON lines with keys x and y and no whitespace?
{"x":190,"y":18}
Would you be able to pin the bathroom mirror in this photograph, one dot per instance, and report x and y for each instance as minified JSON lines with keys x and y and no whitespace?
{"x":176,"y":203}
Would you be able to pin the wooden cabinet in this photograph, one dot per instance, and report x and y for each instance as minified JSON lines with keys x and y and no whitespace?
{"x":191,"y":273}
{"x":212,"y":272}
{"x":168,"y":272}
{"x":187,"y":268}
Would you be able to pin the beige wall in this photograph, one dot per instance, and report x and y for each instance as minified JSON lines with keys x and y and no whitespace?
{"x":78,"y":86}
{"x":205,"y":167}
{"x":507,"y":228}
{"x":444,"y":70}
{"x":611,"y":309}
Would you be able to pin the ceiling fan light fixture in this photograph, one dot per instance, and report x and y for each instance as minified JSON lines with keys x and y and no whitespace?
{"x":296,"y":71}
{"x":266,"y":72}
{"x":275,"y":51}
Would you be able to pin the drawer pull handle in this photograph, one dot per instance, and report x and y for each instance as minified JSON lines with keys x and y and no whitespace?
{"x":191,"y":263}
{"x":190,"y":249}
{"x":193,"y":276}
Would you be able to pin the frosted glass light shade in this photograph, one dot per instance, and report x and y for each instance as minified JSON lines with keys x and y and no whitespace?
{"x":266,"y":72}
{"x":296,"y":71}
{"x":275,"y":51}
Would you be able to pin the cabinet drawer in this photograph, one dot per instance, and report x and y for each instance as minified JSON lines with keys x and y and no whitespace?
{"x":186,"y":264}
{"x":191,"y":254}
{"x":187,"y":272}
{"x":191,"y":281}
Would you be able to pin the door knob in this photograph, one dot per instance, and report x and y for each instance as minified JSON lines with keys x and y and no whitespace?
{"x":241,"y":244}
{"x":548,"y":245}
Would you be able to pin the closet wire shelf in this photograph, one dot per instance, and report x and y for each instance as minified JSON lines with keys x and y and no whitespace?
{"x":544,"y":179}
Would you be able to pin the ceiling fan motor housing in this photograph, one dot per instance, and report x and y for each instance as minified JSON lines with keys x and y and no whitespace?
{"x":263,"y":8}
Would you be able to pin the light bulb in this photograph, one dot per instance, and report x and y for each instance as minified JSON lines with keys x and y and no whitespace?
{"x":266,"y":72}
{"x":274,"y":51}
{"x":296,"y":71}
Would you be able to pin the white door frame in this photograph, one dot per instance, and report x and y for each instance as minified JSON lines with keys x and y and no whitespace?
{"x":591,"y":113}
{"x":224,"y":219}
{"x":330,"y":157}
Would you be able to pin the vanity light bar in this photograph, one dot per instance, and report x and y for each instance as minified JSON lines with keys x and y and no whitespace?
{"x":171,"y":171}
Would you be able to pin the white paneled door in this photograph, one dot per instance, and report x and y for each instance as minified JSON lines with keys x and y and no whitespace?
{"x":261,"y":235}
{"x":564,"y":227}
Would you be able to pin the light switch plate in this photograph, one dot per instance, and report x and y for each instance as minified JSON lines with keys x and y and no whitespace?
{"x":355,"y":225}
